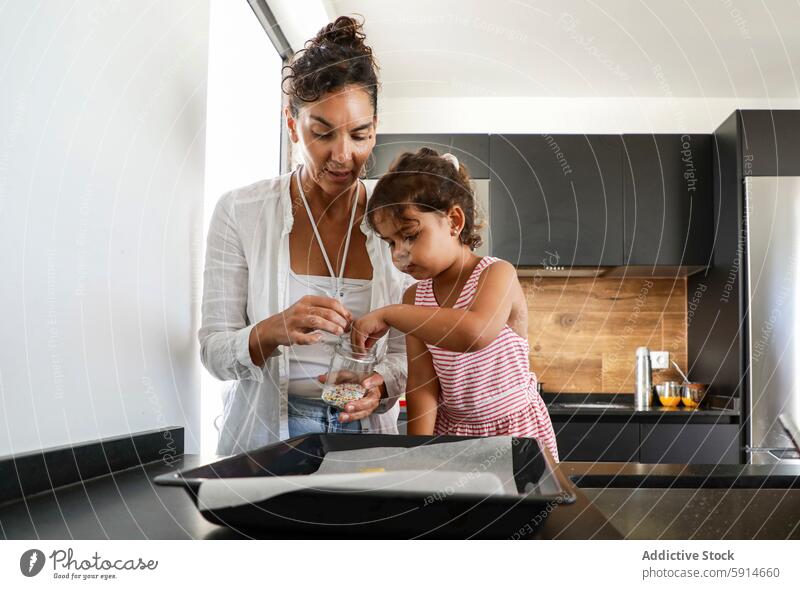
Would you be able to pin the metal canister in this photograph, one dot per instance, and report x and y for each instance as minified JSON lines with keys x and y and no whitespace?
{"x":643,"y":394}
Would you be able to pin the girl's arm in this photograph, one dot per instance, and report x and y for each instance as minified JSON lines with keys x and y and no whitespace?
{"x":422,"y":388}
{"x":459,"y":330}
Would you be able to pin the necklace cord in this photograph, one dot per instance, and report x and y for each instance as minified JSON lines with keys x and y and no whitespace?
{"x":337,"y":282}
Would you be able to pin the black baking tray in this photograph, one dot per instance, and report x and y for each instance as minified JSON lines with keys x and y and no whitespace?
{"x":381,"y":513}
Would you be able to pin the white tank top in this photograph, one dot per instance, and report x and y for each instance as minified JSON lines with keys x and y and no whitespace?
{"x":308,"y":362}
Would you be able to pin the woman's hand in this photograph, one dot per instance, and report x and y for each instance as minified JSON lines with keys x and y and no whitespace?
{"x":367,"y":404}
{"x":302,"y":324}
{"x":368,"y":329}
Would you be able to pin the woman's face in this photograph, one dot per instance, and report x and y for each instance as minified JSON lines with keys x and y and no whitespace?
{"x":335,"y":136}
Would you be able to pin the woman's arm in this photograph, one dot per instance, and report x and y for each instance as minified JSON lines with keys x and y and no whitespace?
{"x":225,"y":330}
{"x":422,"y":389}
{"x":230,"y":347}
{"x":460,"y":330}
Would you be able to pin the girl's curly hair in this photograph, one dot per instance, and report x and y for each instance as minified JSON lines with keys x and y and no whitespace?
{"x":431,"y":183}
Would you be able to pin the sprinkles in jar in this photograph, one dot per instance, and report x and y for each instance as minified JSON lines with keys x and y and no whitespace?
{"x":339,"y":395}
{"x":348,"y":370}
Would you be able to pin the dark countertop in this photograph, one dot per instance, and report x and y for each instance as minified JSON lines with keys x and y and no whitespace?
{"x":639,"y":501}
{"x":702,"y":502}
{"x":591,"y":405}
{"x":678,"y":412}
{"x":701,"y":514}
{"x":127,"y":505}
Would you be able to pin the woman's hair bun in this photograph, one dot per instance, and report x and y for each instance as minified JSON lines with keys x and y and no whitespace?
{"x":337,"y":56}
{"x":345,"y":31}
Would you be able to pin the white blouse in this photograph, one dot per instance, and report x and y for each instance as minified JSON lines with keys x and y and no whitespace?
{"x":245,"y":281}
{"x":306,"y":363}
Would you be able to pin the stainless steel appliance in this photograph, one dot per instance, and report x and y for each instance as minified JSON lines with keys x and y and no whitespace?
{"x":643,"y":395}
{"x":772,"y":214}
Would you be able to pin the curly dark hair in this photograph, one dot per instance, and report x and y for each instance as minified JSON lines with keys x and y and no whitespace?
{"x":336,"y":57}
{"x":431,"y":183}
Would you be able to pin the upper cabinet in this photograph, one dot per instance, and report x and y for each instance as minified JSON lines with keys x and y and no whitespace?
{"x":769,"y":142}
{"x":594,"y":200}
{"x":668,"y":183}
{"x":471,"y":150}
{"x":556,"y":200}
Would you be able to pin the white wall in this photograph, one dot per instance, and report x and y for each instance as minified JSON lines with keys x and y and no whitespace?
{"x":243,"y":131}
{"x":563,"y":115}
{"x":102,"y":115}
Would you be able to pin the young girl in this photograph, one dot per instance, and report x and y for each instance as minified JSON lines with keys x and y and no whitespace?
{"x":465,"y":320}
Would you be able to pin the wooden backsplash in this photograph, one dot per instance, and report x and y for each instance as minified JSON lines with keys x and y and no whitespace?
{"x":583,"y":332}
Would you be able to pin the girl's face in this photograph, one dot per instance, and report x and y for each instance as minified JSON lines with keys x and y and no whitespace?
{"x":335,"y":136}
{"x":423,"y":244}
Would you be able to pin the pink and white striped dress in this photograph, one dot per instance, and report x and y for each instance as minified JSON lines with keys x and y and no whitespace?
{"x":491,"y":392}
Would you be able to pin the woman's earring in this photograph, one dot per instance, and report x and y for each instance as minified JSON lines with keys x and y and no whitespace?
{"x":367,"y":165}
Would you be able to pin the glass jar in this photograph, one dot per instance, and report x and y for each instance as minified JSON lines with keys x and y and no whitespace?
{"x":348,"y":369}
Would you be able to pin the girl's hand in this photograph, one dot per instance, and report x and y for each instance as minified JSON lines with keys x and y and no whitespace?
{"x":367,"y":404}
{"x":368,"y":329}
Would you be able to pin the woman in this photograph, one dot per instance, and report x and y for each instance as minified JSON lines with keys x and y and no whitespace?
{"x":291,"y":262}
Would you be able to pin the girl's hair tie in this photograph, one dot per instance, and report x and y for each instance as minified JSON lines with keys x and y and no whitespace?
{"x":452,"y":159}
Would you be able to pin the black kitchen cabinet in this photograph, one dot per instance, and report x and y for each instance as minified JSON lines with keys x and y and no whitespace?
{"x":556,"y":200}
{"x":770,"y":142}
{"x":668,"y":200}
{"x":582,"y":439}
{"x":676,"y":443}
{"x":715,"y":298}
{"x":747,"y":143}
{"x":597,"y":442}
{"x":472,"y":150}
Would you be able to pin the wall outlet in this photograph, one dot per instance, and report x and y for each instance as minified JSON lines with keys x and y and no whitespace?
{"x":659,"y":360}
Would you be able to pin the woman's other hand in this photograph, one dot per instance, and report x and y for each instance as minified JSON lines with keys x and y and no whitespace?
{"x":367,"y":404}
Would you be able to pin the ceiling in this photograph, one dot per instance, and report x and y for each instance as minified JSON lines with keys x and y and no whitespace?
{"x":571,"y":48}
